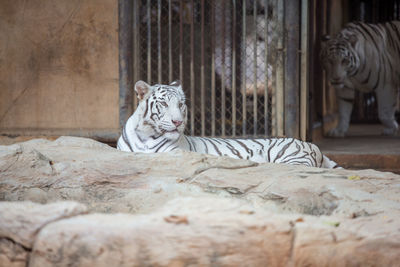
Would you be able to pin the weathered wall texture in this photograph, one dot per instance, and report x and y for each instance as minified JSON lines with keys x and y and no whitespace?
{"x":59,"y":67}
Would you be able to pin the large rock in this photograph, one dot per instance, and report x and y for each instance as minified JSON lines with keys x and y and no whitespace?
{"x":187,"y":232}
{"x":20,"y":222}
{"x":103,"y":178}
{"x":189,"y":209}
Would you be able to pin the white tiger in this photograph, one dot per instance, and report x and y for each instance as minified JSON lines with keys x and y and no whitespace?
{"x":364,"y":57}
{"x":158,"y":123}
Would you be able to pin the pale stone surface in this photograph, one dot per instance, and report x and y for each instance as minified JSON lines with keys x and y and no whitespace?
{"x":12,"y":254}
{"x":190,"y":209}
{"x":20,"y":222}
{"x":187,"y":231}
{"x":214,"y":232}
{"x":101,"y":177}
{"x":347,"y":245}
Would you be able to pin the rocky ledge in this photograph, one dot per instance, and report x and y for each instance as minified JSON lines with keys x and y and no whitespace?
{"x":77,"y":202}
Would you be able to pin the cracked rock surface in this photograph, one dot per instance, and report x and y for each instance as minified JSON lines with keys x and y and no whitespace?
{"x":184,"y":208}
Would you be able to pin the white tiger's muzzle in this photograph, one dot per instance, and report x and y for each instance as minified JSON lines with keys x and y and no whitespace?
{"x":173,"y":123}
{"x":337,"y":74}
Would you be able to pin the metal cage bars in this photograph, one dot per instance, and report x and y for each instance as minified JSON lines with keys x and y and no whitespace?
{"x":188,"y":40}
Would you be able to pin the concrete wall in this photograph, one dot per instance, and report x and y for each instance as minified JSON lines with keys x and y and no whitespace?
{"x":59,"y":67}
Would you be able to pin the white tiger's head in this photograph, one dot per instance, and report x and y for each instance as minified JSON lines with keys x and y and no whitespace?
{"x":162,"y":109}
{"x":340,"y":58}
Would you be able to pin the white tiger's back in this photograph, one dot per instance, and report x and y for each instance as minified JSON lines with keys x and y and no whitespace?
{"x":274,"y":150}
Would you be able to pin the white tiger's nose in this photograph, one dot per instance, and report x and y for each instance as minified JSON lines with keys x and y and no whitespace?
{"x":176,"y":123}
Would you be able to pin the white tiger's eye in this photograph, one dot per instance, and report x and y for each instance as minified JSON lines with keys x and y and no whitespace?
{"x":180,"y":105}
{"x":164,"y":104}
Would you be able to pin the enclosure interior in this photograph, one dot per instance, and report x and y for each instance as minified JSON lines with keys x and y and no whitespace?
{"x":232,"y":58}
{"x":334,"y":16}
{"x":248,"y":68}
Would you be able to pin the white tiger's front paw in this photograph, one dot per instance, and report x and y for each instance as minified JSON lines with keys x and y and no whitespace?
{"x":390,"y":131}
{"x":336,"y":132}
{"x":390,"y":127}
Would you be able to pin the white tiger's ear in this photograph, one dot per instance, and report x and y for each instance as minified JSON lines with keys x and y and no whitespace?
{"x":176,"y":83}
{"x":141,"y":89}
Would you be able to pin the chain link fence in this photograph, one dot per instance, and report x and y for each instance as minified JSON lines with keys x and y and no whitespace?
{"x":225,"y":55}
